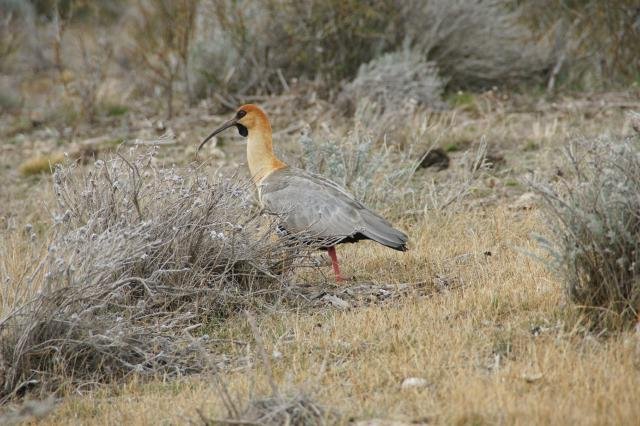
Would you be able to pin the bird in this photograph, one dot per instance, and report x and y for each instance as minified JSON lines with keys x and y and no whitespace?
{"x":308,"y":203}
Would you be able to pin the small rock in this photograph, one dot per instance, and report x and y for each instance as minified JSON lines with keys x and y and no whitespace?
{"x":635,"y":120}
{"x":414,"y":382}
{"x":435,"y":158}
{"x":531,"y":378}
{"x":526,"y":201}
{"x":160,"y":126}
{"x":495,"y":160}
{"x":386,"y":422}
{"x":335,"y":301}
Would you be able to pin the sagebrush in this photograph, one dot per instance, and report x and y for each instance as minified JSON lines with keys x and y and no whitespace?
{"x":396,"y":82}
{"x":140,"y":258}
{"x":246,"y":48}
{"x":594,"y":228}
{"x":384,"y":177}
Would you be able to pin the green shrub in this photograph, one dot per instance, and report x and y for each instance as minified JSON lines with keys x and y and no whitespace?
{"x":594,"y":229}
{"x":115,"y":110}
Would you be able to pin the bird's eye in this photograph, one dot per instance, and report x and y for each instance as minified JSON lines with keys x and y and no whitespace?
{"x":241,"y":113}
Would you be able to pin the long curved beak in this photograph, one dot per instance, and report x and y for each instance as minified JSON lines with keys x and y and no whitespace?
{"x":222,"y":128}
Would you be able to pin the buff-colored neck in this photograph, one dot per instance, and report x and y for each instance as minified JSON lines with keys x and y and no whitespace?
{"x":260,"y":157}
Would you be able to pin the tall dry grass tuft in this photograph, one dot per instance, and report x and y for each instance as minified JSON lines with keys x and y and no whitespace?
{"x":141,"y":256}
{"x":292,"y":407}
{"x":594,"y":229}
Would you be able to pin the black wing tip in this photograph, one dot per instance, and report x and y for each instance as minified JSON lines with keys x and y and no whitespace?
{"x":399,"y":244}
{"x":399,"y":247}
{"x":398,"y":241}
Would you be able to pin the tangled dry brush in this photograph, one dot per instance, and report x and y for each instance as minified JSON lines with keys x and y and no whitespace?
{"x":141,"y":257}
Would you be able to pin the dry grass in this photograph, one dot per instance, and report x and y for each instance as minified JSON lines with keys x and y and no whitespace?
{"x":494,"y":350}
{"x":484,"y":324}
{"x":41,"y":164}
{"x":136,"y":263}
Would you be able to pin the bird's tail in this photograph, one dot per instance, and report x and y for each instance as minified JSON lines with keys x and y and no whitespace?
{"x":378,"y":229}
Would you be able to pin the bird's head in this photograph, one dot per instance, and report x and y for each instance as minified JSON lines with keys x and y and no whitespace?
{"x":248,"y":118}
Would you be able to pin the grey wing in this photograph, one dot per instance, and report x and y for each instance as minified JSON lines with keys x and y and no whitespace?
{"x":320,"y":207}
{"x":308,"y":208}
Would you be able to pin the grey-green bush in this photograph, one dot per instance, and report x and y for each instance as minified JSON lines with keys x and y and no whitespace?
{"x":381,"y":175}
{"x":597,"y":40}
{"x":476,"y":44}
{"x":141,"y":257}
{"x":395,"y":81}
{"x":257,"y":47}
{"x":593,"y":234}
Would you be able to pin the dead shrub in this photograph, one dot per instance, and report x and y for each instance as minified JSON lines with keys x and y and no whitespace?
{"x":248,"y":48}
{"x":161,"y":32}
{"x":598,"y":41}
{"x":96,"y":61}
{"x":139,"y":258}
{"x":14,"y":17}
{"x":83,"y":59}
{"x":593,"y":233}
{"x":258,"y":47}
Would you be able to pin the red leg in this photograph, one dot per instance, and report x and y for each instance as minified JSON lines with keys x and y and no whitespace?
{"x":334,"y":263}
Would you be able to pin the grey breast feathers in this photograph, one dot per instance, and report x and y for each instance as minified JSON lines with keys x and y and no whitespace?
{"x":312,"y":204}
